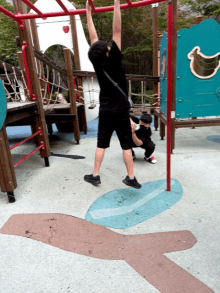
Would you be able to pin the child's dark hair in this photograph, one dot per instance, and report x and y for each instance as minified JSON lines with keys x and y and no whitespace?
{"x":146,"y":118}
{"x":97,"y":52}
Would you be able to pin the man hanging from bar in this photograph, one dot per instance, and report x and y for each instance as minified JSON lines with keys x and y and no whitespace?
{"x":114,"y":104}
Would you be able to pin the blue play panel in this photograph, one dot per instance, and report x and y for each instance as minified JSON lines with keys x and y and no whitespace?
{"x":124,"y":208}
{"x":197,"y":92}
{"x":3,"y":105}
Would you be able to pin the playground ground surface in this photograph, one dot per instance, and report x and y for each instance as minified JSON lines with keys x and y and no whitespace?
{"x":58,"y":250}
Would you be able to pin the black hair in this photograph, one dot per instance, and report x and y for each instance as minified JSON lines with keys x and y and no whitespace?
{"x":146,"y":118}
{"x":97,"y":52}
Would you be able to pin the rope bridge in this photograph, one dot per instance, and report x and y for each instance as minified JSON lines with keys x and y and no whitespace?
{"x":52,"y":86}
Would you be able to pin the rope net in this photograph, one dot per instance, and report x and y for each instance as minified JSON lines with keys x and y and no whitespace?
{"x":53,"y":86}
{"x":15,"y":86}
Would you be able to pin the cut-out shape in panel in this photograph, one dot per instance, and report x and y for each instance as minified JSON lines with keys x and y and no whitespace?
{"x":203,"y":66}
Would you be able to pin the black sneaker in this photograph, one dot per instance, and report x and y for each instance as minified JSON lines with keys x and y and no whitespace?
{"x":131,"y":182}
{"x":92,"y":179}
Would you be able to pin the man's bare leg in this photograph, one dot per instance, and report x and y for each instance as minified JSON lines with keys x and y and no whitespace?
{"x":128,"y":159}
{"x":99,"y":155}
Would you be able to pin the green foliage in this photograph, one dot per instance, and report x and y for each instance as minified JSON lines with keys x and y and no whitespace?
{"x":208,"y":8}
{"x":8,"y":32}
{"x":137,"y":37}
{"x":56,"y":53}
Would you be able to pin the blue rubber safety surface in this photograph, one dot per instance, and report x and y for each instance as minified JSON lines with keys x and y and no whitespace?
{"x":22,"y":132}
{"x":124,"y":208}
{"x":213,"y":138}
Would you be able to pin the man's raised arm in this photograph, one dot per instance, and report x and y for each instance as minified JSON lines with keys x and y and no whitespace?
{"x":116,"y":25}
{"x":92,"y":31}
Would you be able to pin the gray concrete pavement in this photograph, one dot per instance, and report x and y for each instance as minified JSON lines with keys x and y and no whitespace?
{"x":32,"y":266}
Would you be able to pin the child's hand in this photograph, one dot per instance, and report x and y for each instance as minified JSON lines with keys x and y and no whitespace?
{"x":133,"y":126}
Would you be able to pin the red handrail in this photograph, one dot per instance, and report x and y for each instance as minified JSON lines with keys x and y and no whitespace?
{"x":24,"y":47}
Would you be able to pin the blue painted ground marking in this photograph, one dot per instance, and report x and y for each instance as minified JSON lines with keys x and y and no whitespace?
{"x":124,"y":208}
{"x":213,"y":138}
{"x":17,"y":132}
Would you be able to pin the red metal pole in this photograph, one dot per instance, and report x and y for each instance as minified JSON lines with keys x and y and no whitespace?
{"x":23,"y":141}
{"x":8,"y":13}
{"x":83,"y":11}
{"x":33,"y":7}
{"x":63,"y":6}
{"x":92,"y":5}
{"x":129,"y":3}
{"x":25,"y":158}
{"x":169,"y":88}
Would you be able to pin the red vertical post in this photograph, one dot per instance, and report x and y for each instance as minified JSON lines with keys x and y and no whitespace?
{"x":169,"y":88}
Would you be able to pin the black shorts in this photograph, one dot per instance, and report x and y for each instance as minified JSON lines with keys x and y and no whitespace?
{"x":120,"y":122}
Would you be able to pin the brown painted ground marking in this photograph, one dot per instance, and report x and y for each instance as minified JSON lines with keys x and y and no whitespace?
{"x":143,"y":252}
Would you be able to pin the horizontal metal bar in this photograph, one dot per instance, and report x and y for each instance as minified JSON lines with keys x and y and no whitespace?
{"x":83,"y":11}
{"x":33,"y":7}
{"x":23,"y":141}
{"x":25,"y":158}
{"x":8,"y":13}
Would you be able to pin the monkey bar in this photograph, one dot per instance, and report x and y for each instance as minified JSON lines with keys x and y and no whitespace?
{"x":129,"y":4}
{"x":40,"y":14}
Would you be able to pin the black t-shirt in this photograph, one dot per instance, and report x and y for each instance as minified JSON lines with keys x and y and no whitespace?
{"x":143,"y":134}
{"x":110,"y":97}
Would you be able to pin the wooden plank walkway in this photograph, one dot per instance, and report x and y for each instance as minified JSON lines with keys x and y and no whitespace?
{"x":15,"y":106}
{"x":56,"y":107}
